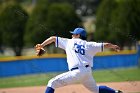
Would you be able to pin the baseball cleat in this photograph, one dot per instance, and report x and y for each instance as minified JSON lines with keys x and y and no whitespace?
{"x":119,"y":91}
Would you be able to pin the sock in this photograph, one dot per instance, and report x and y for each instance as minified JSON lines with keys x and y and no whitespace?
{"x":49,"y":90}
{"x":105,"y":89}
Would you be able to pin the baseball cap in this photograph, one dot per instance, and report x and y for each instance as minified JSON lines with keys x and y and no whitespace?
{"x":80,"y":31}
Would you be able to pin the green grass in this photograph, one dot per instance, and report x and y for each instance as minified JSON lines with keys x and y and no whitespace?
{"x":26,"y":80}
{"x":116,"y":75}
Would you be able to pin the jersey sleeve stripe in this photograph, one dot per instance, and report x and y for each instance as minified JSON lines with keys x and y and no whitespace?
{"x":56,"y":41}
{"x":102,"y":47}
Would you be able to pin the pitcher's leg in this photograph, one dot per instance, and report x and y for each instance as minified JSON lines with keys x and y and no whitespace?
{"x":90,"y":84}
{"x":105,"y":89}
{"x":62,"y":80}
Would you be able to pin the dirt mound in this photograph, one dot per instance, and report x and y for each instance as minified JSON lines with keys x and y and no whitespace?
{"x":126,"y":87}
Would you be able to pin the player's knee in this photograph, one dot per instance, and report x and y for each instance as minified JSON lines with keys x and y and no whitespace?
{"x":51,"y":83}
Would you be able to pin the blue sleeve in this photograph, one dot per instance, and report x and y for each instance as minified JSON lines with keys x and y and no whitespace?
{"x":61,"y":42}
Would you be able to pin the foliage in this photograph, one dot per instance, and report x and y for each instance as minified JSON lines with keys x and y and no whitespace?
{"x":126,"y":21}
{"x":118,"y":22}
{"x":82,"y":7}
{"x":50,"y":19}
{"x":103,"y":20}
{"x":12,"y":27}
{"x":1,"y":33}
{"x":36,"y":30}
{"x":61,"y":19}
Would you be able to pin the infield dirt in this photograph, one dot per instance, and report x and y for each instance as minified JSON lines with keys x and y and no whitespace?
{"x":126,"y":87}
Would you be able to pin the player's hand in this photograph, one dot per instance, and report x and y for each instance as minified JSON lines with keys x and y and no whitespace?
{"x":116,"y":48}
{"x":39,"y":50}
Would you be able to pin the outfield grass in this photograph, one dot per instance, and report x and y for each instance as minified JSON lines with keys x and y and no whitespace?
{"x":116,"y":75}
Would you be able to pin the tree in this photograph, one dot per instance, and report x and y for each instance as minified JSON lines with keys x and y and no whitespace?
{"x":61,"y":19}
{"x":1,"y":50}
{"x":82,"y":7}
{"x":1,"y":40}
{"x":126,"y":21}
{"x":119,"y":23}
{"x":17,"y":1}
{"x":36,"y":29}
{"x":134,"y":20}
{"x":12,"y":26}
{"x":43,"y":22}
{"x":103,"y":19}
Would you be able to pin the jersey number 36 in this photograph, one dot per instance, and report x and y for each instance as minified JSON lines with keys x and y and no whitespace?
{"x":79,"y":49}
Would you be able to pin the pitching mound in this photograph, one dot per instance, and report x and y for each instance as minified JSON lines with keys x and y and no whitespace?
{"x":126,"y":87}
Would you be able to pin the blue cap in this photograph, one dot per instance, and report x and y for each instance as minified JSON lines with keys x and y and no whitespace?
{"x":80,"y":31}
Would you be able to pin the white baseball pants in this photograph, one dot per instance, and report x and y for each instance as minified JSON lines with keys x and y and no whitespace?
{"x":82,"y":75}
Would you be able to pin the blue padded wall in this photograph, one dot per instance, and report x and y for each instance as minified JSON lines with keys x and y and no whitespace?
{"x":45,"y":65}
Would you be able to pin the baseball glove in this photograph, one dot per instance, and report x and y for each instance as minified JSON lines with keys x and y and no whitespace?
{"x":39,"y":50}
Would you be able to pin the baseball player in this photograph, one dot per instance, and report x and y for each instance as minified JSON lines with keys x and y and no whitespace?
{"x":80,"y":61}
